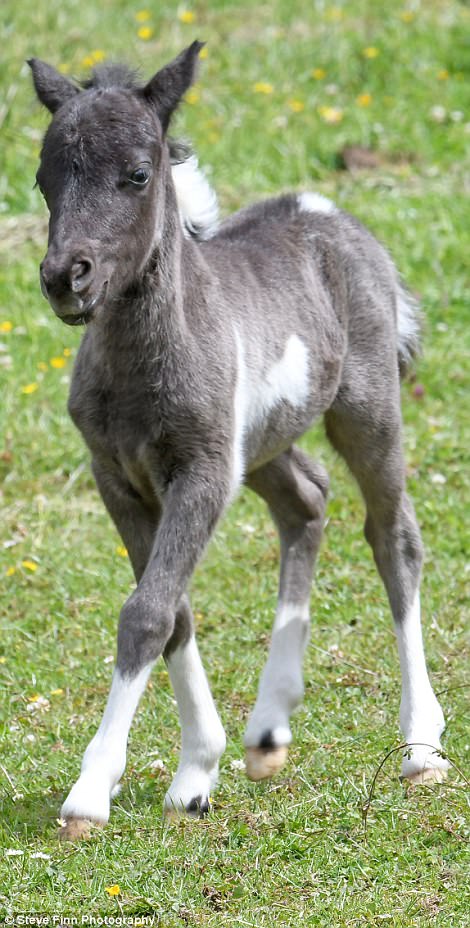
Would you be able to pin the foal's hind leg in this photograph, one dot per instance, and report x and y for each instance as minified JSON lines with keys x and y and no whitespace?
{"x":370,"y":442}
{"x":295,"y":490}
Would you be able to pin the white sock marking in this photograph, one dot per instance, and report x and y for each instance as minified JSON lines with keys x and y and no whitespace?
{"x":281,"y":685}
{"x":311,"y":202}
{"x":105,"y":757}
{"x":421,"y":716}
{"x":202,"y":734}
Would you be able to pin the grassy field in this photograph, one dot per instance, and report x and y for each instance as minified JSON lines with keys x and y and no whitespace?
{"x":283,"y":89}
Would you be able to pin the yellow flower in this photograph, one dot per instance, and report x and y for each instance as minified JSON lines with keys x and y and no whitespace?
{"x":334,"y":15}
{"x":6,"y":326}
{"x":330,"y":114}
{"x":113,"y":890}
{"x":98,"y":55}
{"x":64,"y":68}
{"x":186,"y":16}
{"x":10,"y":571}
{"x":263,"y":87}
{"x":407,"y":16}
{"x":192,"y":96}
{"x":318,"y":74}
{"x":58,"y":362}
{"x":122,"y":551}
{"x":87,"y":61}
{"x":142,"y":16}
{"x":67,"y":352}
{"x":371,"y":52}
{"x":145,"y":33}
{"x":204,"y":53}
{"x":29,"y":388}
{"x":58,"y":692}
{"x":34,"y":697}
{"x":29,"y":565}
{"x":364,"y":99}
{"x":42,"y":366}
{"x":296,"y":106}
{"x":443,"y":74}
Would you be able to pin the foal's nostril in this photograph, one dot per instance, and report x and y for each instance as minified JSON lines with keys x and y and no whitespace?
{"x":81,"y":274}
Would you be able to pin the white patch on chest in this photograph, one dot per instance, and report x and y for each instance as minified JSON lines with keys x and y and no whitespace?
{"x":258,"y":393}
{"x":315,"y":203}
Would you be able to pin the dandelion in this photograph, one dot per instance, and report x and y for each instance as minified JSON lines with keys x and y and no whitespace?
{"x":297,"y":106}
{"x":57,"y":363}
{"x":10,"y":571}
{"x":114,"y":890}
{"x":192,"y":96}
{"x":98,"y":55}
{"x":364,"y":99}
{"x":407,"y":16}
{"x":330,"y":114}
{"x":334,"y":15}
{"x":443,"y":74}
{"x":58,"y":692}
{"x":187,"y":17}
{"x":67,"y":352}
{"x":370,"y":52}
{"x":29,"y":388}
{"x":318,"y":74}
{"x":204,"y":53}
{"x":87,"y":61}
{"x":29,"y":565}
{"x":6,"y":326}
{"x":122,"y":551}
{"x":145,"y":33}
{"x":263,"y":87}
{"x":142,"y":16}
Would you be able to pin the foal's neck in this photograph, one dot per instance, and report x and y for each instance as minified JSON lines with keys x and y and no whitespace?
{"x":142,"y":325}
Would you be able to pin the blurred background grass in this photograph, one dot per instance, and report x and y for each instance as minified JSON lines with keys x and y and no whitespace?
{"x":284,"y":89}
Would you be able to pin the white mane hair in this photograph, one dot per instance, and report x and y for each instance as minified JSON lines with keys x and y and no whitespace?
{"x":197,"y":201}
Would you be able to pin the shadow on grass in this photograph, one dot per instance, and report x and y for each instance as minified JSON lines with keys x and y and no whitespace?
{"x":33,"y":815}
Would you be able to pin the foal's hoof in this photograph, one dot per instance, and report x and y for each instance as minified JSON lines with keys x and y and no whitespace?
{"x":77,"y":829}
{"x":262,"y":763}
{"x":429,"y":775}
{"x":198,"y":807}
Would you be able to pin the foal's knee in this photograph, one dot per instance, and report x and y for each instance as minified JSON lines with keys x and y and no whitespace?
{"x":144,"y":630}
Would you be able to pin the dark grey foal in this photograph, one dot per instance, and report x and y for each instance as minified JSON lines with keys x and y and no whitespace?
{"x":208,"y":351}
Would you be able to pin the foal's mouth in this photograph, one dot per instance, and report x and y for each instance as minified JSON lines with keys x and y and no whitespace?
{"x":87,"y":309}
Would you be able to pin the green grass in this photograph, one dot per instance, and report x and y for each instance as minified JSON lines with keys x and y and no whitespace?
{"x":292,"y":851}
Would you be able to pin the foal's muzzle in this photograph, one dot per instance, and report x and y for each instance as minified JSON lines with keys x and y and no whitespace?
{"x":70,"y":285}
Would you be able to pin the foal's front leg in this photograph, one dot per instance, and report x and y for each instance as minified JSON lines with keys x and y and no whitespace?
{"x":155,"y":618}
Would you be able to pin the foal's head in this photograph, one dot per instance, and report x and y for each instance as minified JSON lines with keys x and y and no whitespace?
{"x":103,"y":173}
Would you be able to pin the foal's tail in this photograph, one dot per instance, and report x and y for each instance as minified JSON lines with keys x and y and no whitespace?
{"x":408,"y":328}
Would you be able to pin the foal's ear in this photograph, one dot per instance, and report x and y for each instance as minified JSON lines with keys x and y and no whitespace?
{"x":52,"y":88}
{"x":167,"y":87}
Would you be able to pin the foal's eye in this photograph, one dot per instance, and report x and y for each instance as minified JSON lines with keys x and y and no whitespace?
{"x":140,"y":176}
